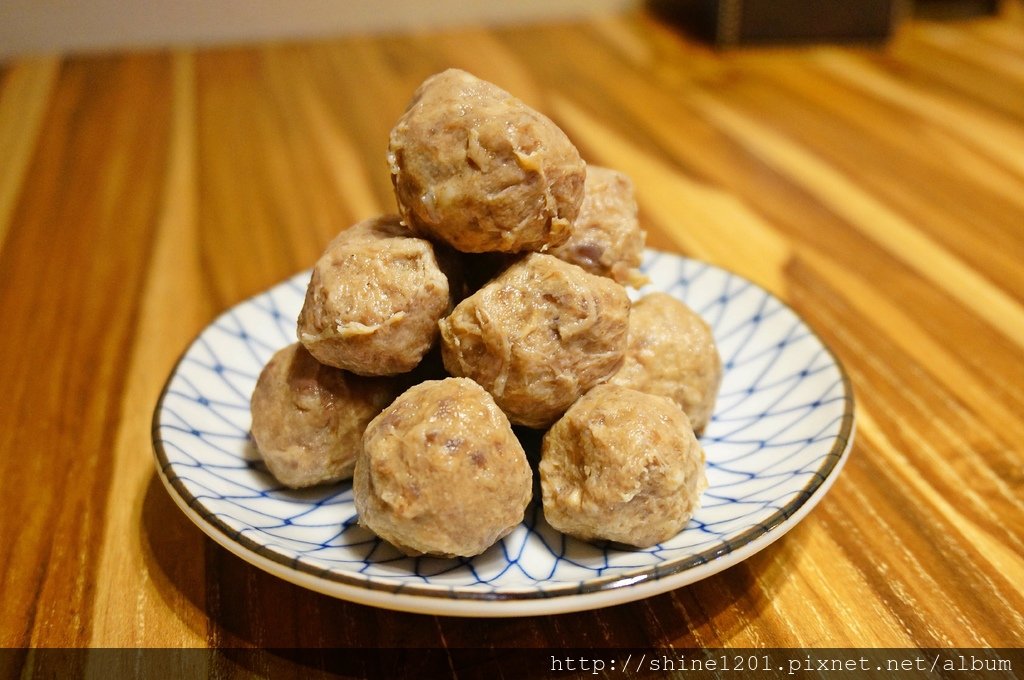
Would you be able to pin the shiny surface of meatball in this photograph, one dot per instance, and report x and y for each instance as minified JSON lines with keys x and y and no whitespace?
{"x":672,"y":353}
{"x":475,"y":167}
{"x":374,"y":299}
{"x":621,"y":466}
{"x":441,"y":471}
{"x":538,"y":336}
{"x":606,"y":237}
{"x":308,"y":419}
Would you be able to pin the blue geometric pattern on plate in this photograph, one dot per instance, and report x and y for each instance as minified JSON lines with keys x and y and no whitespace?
{"x":782,"y":423}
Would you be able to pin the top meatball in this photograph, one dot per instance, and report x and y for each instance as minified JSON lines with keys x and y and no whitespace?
{"x":475,"y":167}
{"x":672,"y":353}
{"x":374,"y":300}
{"x":606,"y":238}
{"x":538,"y":336}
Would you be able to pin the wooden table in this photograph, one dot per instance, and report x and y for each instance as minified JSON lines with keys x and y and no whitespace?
{"x":877,"y":190}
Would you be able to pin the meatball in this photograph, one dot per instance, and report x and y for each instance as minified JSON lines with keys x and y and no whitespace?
{"x":475,"y":167}
{"x":441,"y":471}
{"x":538,"y":336}
{"x":308,"y":419}
{"x":606,"y":238}
{"x":374,"y":299}
{"x":621,"y":466}
{"x":672,"y":353}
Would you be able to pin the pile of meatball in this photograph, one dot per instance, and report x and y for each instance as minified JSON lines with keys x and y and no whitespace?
{"x":495,"y":297}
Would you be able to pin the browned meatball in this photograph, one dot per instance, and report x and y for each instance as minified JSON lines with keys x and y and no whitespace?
{"x":374,"y":299}
{"x":538,"y":336}
{"x":606,"y":238}
{"x":621,"y":466}
{"x":477,"y":168}
{"x":441,"y":471}
{"x":308,"y":419}
{"x":672,"y":353}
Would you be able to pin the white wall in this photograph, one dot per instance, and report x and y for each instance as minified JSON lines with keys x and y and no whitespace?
{"x":37,"y":26}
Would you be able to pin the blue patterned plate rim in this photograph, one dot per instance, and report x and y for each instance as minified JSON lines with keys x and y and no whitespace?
{"x":418,"y":596}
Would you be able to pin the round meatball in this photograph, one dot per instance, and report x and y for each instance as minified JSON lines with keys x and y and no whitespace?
{"x":672,"y":353}
{"x":477,"y":168}
{"x":308,"y":419}
{"x":374,"y":300}
{"x":441,"y":471}
{"x":538,"y":336}
{"x":621,"y":466}
{"x":606,"y":237}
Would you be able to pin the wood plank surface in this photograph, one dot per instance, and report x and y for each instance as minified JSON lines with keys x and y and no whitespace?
{"x":879,"y":191}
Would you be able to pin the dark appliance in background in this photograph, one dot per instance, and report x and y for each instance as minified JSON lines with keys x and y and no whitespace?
{"x":729,"y":23}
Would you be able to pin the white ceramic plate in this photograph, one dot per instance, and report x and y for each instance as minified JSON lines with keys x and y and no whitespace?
{"x":781,"y":432}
